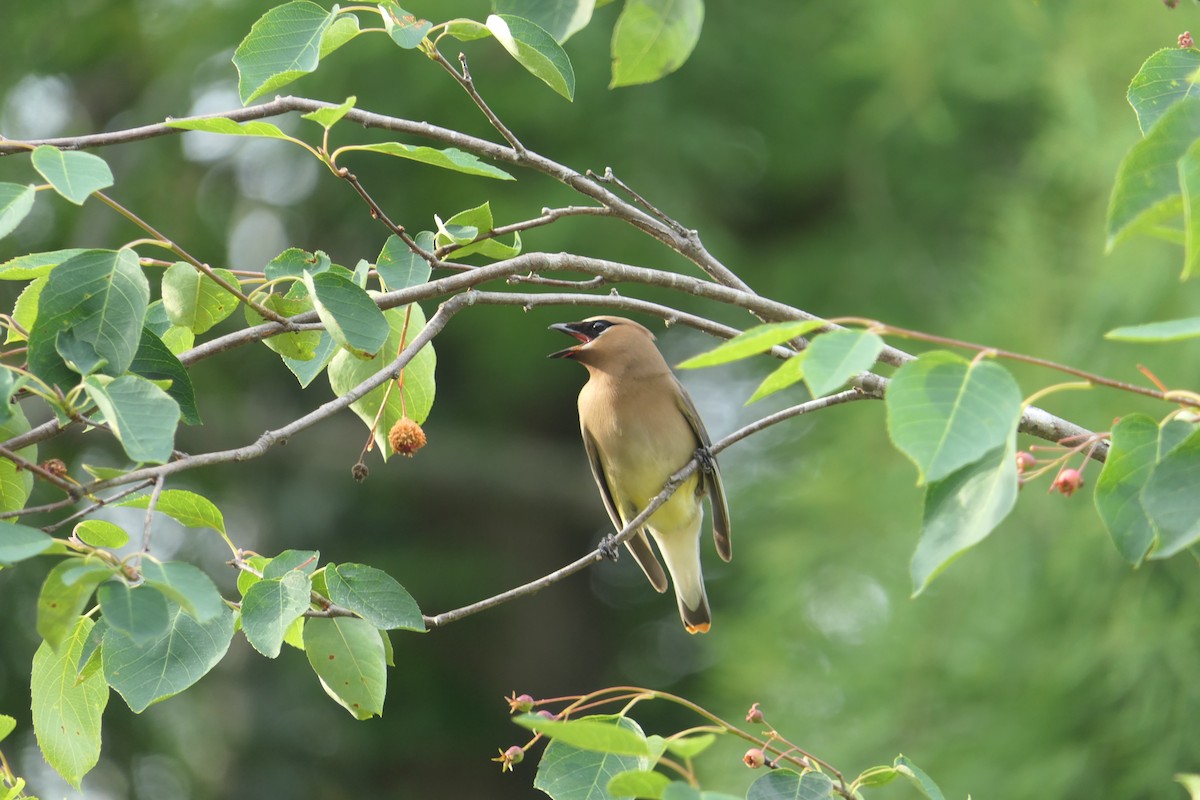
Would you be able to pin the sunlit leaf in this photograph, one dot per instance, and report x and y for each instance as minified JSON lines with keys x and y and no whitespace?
{"x":753,"y":341}
{"x":566,"y":771}
{"x":588,"y":733}
{"x":835,"y":357}
{"x":73,"y":174}
{"x":644,"y":783}
{"x":653,"y":38}
{"x":283,"y":45}
{"x":348,"y":656}
{"x":16,"y":201}
{"x":67,"y":711}
{"x":450,"y":158}
{"x":331,"y":115}
{"x":1166,"y":331}
{"x":406,"y":30}
{"x":35,"y":265}
{"x":535,"y":50}
{"x":1165,"y":78}
{"x":228,"y":127}
{"x":559,"y":18}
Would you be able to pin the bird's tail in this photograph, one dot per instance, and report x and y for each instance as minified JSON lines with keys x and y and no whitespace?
{"x":681,"y":553}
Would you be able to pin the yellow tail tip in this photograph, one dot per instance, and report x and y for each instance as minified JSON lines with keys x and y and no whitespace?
{"x":701,"y":628}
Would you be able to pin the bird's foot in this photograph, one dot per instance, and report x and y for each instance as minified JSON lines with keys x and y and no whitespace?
{"x":608,"y":547}
{"x":708,"y":462}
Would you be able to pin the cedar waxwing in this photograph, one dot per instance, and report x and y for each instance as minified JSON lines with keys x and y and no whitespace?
{"x":640,"y":427}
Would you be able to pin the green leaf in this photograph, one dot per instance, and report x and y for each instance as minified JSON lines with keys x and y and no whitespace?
{"x":283,"y":45}
{"x":15,"y":484}
{"x":1189,"y":187}
{"x":294,"y":262}
{"x":758,"y":339}
{"x":7,"y":726}
{"x":307,"y":370}
{"x":566,"y":772}
{"x":302,"y":345}
{"x":66,"y":711}
{"x":559,"y":18}
{"x":833,"y":358}
{"x":187,"y":586}
{"x":401,"y":268}
{"x":304,"y":561}
{"x":10,"y":382}
{"x":144,"y":674}
{"x":1165,"y":78}
{"x":467,"y":30}
{"x":194,"y":300}
{"x":653,"y":38}
{"x":19,"y":542}
{"x":16,"y":201}
{"x":1146,"y":192}
{"x":1190,"y":782}
{"x":247,"y":579}
{"x":961,"y":509}
{"x":141,"y":613}
{"x":99,"y":533}
{"x":228,"y":127}
{"x":270,"y":607}
{"x":142,"y":416}
{"x":588,"y":733}
{"x":790,"y":372}
{"x":638,"y":783}
{"x":155,"y":361}
{"x":449,"y":158}
{"x":373,"y":595}
{"x":465,"y":227}
{"x":348,"y":657}
{"x":945,"y":412}
{"x":1171,"y":499}
{"x":535,"y":50}
{"x":73,"y":174}
{"x":918,"y":778}
{"x":100,"y":297}
{"x":35,"y":265}
{"x":330,"y":116}
{"x":346,"y":372}
{"x":187,"y":508}
{"x":1130,"y":460}
{"x":405,"y":29}
{"x":343,"y":29}
{"x":64,"y":594}
{"x":691,"y":746}
{"x":877,"y":776}
{"x":348,"y":313}
{"x":787,"y":784}
{"x":25,"y":310}
{"x":1166,"y":331}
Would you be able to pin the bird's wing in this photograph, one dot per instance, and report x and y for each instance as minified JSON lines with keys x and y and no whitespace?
{"x":638,"y":544}
{"x":710,"y":480}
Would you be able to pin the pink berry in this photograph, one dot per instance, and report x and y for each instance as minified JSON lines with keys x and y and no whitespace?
{"x":754,"y":758}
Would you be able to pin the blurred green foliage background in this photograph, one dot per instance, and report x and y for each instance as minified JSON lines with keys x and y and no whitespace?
{"x":944,"y":167}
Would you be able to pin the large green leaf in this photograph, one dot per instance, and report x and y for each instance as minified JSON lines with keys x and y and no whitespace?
{"x":228,"y":127}
{"x":1130,"y":460}
{"x":67,"y":710}
{"x":19,"y":542}
{"x":25,"y":309}
{"x":15,"y":484}
{"x":535,"y":50}
{"x":401,"y":268}
{"x":194,"y":300}
{"x":1165,"y":78}
{"x":653,"y":38}
{"x":1146,"y":191}
{"x":1171,"y":497}
{"x":99,"y":533}
{"x":307,"y":370}
{"x":559,"y":18}
{"x":566,"y":772}
{"x":374,"y":595}
{"x":187,"y":508}
{"x":155,"y":361}
{"x":645,"y":783}
{"x":753,"y":341}
{"x":787,"y":784}
{"x":944,"y":412}
{"x":16,"y":201}
{"x":331,"y":115}
{"x":1189,"y":188}
{"x":142,"y":416}
{"x":450,"y":158}
{"x":65,"y":594}
{"x":961,"y":509}
{"x":270,"y":607}
{"x":834,"y":358}
{"x":301,"y":345}
{"x":465,"y":227}
{"x":73,"y":174}
{"x":917,"y":777}
{"x":346,"y":372}
{"x":97,"y":301}
{"x":349,"y":314}
{"x":348,"y":657}
{"x":144,"y":674}
{"x":283,"y":45}
{"x":588,"y":734}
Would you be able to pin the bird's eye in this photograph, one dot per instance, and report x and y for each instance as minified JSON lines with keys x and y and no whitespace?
{"x":598,"y":327}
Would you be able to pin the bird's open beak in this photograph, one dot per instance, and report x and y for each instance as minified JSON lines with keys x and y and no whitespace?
{"x":571,"y":329}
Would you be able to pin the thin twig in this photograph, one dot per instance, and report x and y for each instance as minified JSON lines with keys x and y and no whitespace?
{"x":149,"y":523}
{"x":548,"y":216}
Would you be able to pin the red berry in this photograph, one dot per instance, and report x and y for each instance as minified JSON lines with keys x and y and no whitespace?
{"x":754,"y":714}
{"x":754,"y":758}
{"x":1067,"y":481}
{"x":1025,"y":460}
